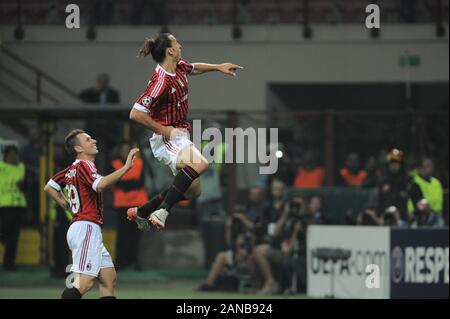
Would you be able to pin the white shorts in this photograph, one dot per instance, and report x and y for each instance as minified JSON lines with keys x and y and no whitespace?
{"x":166,"y":150}
{"x":89,"y":255}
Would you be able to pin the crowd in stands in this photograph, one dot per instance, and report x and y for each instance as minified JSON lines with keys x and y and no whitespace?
{"x":266,"y":237}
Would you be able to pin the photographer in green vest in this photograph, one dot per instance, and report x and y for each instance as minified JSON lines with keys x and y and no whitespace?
{"x":426,"y":197}
{"x":12,"y":203}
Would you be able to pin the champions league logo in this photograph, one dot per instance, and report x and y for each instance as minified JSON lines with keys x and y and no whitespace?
{"x":146,"y":101}
{"x":397,"y":262}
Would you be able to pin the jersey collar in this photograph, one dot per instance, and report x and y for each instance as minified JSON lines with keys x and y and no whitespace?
{"x":159,"y":67}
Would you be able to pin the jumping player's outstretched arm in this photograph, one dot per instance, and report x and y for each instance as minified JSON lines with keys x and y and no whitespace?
{"x":110,"y":179}
{"x":226,"y":68}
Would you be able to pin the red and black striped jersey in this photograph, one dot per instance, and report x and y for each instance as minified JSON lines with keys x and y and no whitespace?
{"x":80,"y":181}
{"x":166,"y":97}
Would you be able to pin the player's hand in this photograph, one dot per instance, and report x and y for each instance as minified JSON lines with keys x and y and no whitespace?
{"x":131,"y":158}
{"x":229,"y":68}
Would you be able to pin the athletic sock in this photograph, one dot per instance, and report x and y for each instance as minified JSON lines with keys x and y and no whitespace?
{"x":179,"y":186}
{"x":71,"y":293}
{"x":145,"y":210}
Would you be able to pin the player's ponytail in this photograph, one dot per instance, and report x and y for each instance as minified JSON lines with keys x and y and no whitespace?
{"x":147,"y":47}
{"x":156,"y":47}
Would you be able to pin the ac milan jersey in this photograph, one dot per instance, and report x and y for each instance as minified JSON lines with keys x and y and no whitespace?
{"x":166,"y":96}
{"x":80,"y":181}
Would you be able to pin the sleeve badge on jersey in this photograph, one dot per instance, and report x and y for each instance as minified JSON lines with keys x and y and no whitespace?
{"x":146,"y":100}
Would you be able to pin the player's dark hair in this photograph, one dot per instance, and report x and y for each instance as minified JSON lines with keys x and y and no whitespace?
{"x":71,"y":140}
{"x":156,"y":47}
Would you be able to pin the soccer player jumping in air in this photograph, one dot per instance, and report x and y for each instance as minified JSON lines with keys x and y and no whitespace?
{"x":84,"y":199}
{"x":163,"y":108}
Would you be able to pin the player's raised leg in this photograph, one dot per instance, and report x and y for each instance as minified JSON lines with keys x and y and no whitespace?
{"x":191,"y":164}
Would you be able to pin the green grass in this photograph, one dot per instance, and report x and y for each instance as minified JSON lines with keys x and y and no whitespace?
{"x":36,"y":283}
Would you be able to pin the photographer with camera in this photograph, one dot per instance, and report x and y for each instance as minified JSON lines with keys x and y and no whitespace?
{"x":391,"y":217}
{"x":241,"y":233}
{"x":369,"y":217}
{"x":286,"y":235}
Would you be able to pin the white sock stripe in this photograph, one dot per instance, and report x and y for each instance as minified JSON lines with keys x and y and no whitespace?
{"x":187,"y":174}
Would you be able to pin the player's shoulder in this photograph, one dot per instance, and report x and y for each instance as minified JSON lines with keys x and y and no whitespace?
{"x":64,"y":170}
{"x":183,"y":65}
{"x":159,"y":76}
{"x":85,"y":164}
{"x":183,"y":62}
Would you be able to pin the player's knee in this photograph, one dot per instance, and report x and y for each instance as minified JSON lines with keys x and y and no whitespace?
{"x":85,"y":286}
{"x":110,"y":284}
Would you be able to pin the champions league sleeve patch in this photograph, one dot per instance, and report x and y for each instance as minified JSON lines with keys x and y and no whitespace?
{"x":146,"y":100}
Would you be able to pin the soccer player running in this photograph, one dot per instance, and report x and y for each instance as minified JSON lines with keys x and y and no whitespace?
{"x":163,"y":108}
{"x":84,"y":188}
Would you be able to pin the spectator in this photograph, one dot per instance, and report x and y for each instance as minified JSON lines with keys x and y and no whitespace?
{"x":393,"y":186}
{"x":107,"y":131}
{"x":372,"y":169}
{"x":369,"y":217}
{"x":294,"y":267}
{"x":30,"y":155}
{"x":309,"y":175}
{"x":391,"y":217}
{"x":412,"y":165}
{"x":426,"y":197}
{"x":352,"y":175}
{"x":243,"y":229}
{"x":271,"y":258}
{"x":256,"y":209}
{"x":129,"y":191}
{"x":102,"y":93}
{"x":278,"y":200}
{"x":315,"y":211}
{"x":12,"y":203}
{"x":237,"y":260}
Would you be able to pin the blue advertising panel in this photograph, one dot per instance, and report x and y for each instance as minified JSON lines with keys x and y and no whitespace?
{"x":419,"y":263}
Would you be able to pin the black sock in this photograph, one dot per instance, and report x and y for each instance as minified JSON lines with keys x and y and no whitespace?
{"x":152,"y":204}
{"x":108,"y":297}
{"x":145,"y":210}
{"x":179,"y":186}
{"x":71,"y":293}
